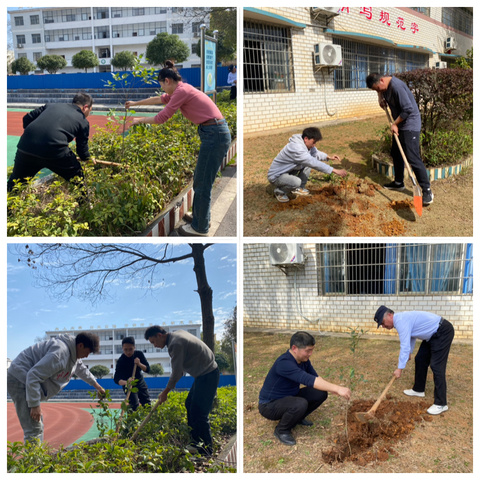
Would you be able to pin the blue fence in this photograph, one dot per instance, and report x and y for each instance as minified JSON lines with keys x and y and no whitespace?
{"x":83,"y":81}
{"x":152,"y":382}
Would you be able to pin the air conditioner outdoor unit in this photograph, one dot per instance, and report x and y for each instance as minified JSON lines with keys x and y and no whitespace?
{"x":440,"y":64}
{"x":20,"y":45}
{"x":326,"y":10}
{"x":286,"y":254}
{"x":327,"y":54}
{"x":450,"y":43}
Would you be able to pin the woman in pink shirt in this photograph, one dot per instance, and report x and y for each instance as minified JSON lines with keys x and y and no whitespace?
{"x":214,"y":135}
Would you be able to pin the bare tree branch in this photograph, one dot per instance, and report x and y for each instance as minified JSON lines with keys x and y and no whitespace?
{"x":87,"y":271}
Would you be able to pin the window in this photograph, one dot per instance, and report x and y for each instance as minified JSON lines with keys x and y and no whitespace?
{"x":20,"y":40}
{"x":267,"y":58}
{"x":458,"y":17}
{"x":177,"y":28}
{"x":424,"y":10}
{"x":37,"y":56}
{"x":360,"y":59}
{"x":34,"y":19}
{"x":138,"y":11}
{"x":36,"y":38}
{"x":18,"y":21}
{"x":382,"y":269}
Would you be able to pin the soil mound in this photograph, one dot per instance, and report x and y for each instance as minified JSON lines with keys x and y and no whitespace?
{"x":375,"y":440}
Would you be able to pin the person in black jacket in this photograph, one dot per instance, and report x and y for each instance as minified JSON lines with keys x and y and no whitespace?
{"x":48,"y":131}
{"x":124,"y":370}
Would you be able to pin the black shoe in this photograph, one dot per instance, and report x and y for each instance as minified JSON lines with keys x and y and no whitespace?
{"x":427,"y":197}
{"x":395,"y":186}
{"x":286,"y":438}
{"x":305,"y":422}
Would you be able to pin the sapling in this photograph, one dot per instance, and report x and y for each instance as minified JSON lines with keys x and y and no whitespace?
{"x":353,"y":379}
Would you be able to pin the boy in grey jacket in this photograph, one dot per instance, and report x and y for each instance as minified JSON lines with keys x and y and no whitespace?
{"x":190,"y":355}
{"x":39,"y":372}
{"x":291,"y":168}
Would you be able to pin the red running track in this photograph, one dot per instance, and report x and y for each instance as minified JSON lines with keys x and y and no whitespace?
{"x":15,"y":123}
{"x":64,"y":423}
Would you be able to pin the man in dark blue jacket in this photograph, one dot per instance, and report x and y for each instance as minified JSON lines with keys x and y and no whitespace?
{"x":407,"y":124}
{"x":48,"y":131}
{"x":281,"y":397}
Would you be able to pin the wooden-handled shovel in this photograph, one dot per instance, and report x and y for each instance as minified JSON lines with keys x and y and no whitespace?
{"x":126,"y":399}
{"x":365,"y":416}
{"x":417,"y":192}
{"x":146,"y":419}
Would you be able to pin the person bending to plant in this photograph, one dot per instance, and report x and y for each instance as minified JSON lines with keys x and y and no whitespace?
{"x":281,"y":397}
{"x":48,"y":131}
{"x":39,"y":372}
{"x":214,"y":133}
{"x":190,"y":355}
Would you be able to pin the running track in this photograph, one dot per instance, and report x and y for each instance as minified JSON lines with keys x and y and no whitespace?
{"x":15,"y":122}
{"x":64,"y":423}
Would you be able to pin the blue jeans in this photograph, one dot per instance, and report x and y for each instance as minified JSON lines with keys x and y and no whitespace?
{"x":215,"y":143}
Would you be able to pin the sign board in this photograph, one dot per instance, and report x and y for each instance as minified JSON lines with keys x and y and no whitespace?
{"x":209,"y":64}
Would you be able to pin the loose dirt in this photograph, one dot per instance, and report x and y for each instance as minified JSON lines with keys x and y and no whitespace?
{"x":355,"y":206}
{"x":401,"y":438}
{"x":374,"y":440}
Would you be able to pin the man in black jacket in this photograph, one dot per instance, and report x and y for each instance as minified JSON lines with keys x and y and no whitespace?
{"x":48,"y":131}
{"x":124,"y":370}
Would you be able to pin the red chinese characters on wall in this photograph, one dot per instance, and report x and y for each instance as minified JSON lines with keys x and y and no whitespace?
{"x":384,"y":18}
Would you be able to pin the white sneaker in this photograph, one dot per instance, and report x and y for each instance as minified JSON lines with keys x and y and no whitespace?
{"x":282,"y":197}
{"x":188,"y":231}
{"x":413,"y":393}
{"x":301,"y":191}
{"x":437,"y":409}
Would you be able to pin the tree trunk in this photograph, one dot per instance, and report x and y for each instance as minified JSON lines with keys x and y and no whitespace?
{"x":206,"y":296}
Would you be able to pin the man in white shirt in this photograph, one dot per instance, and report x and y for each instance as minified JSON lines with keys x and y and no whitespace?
{"x":436,"y":334}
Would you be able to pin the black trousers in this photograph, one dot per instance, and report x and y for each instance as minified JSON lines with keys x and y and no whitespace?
{"x":199,"y":404}
{"x":292,"y":409}
{"x":410,"y":142}
{"x":27,"y":166}
{"x":140,"y":397}
{"x":434,"y":354}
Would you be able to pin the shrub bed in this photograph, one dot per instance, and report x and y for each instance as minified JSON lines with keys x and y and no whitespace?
{"x":159,"y":448}
{"x":156,"y":163}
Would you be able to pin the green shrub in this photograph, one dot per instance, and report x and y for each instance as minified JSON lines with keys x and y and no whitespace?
{"x":159,"y":448}
{"x":448,"y":147}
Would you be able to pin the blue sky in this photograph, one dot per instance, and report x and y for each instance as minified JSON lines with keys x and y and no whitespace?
{"x":31,"y":311}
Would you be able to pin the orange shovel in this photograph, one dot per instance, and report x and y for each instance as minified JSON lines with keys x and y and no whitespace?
{"x":417,"y":192}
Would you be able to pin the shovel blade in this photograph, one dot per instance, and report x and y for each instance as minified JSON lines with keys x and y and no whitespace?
{"x":418,"y":201}
{"x":363,"y":417}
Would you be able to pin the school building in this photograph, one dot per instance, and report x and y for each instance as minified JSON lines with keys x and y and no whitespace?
{"x":332,"y":287}
{"x":111,"y":343}
{"x":103,"y":30}
{"x":309,"y":64}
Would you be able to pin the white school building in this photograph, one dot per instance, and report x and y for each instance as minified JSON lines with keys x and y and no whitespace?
{"x":306,"y":65}
{"x":103,"y":30}
{"x":111,"y":337}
